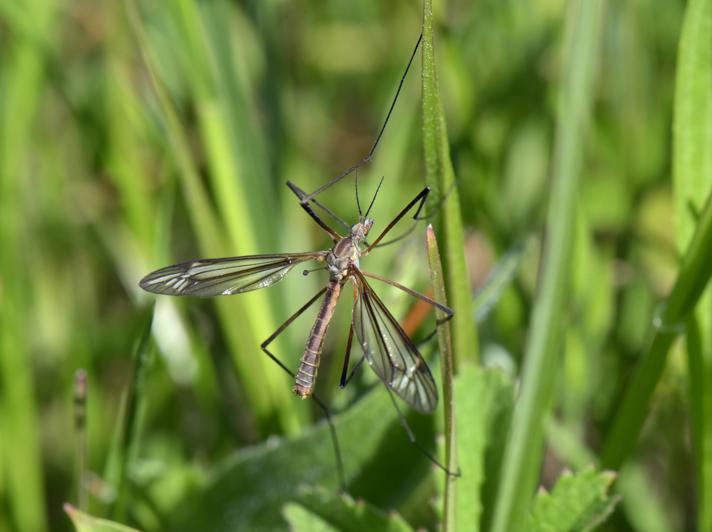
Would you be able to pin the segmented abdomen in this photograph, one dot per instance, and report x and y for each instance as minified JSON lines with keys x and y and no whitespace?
{"x":305,"y":378}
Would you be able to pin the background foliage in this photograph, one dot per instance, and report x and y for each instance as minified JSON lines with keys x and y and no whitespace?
{"x":135,"y":134}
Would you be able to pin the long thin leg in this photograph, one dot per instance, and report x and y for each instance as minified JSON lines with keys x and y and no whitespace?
{"x":447,"y":310}
{"x":418,"y":218}
{"x":353,"y":372}
{"x":414,"y":441}
{"x":309,"y":197}
{"x":300,"y":194}
{"x":449,"y":313}
{"x":343,"y":381}
{"x":319,"y":402}
{"x":421,"y":197}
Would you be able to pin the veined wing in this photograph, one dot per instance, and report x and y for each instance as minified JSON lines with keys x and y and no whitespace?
{"x":389,"y":350}
{"x":226,"y":276}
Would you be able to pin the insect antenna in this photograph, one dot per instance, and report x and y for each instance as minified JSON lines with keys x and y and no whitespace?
{"x":374,"y":197}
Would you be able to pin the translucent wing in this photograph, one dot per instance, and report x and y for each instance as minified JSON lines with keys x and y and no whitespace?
{"x":390,"y":352}
{"x":217,"y":277}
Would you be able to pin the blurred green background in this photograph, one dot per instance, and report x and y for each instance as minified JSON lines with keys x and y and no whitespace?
{"x":136,"y":134}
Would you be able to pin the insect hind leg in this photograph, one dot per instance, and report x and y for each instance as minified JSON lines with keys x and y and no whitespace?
{"x":414,"y":441}
{"x":322,"y":406}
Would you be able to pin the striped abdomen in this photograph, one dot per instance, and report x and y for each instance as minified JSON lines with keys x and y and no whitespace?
{"x":306,"y":374}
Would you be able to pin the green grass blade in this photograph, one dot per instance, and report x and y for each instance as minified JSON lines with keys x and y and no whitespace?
{"x":700,"y":375}
{"x":447,"y":371}
{"x":129,"y":427}
{"x":644,"y":507}
{"x":245,"y":341}
{"x":522,"y":454}
{"x":22,"y":81}
{"x":501,"y":277}
{"x":692,"y":176}
{"x":440,"y":177}
{"x":692,"y":279}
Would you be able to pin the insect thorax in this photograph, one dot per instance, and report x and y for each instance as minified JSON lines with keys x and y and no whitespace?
{"x":343,"y":256}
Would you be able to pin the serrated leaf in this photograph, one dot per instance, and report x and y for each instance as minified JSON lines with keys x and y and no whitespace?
{"x":483,"y":404}
{"x":300,"y":519}
{"x":578,"y":502}
{"x":318,"y":509}
{"x":86,"y":523}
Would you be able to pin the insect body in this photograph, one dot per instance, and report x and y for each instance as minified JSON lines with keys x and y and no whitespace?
{"x":386,"y":347}
{"x":340,"y":261}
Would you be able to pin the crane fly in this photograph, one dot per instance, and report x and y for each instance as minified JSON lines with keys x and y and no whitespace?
{"x":387,"y":349}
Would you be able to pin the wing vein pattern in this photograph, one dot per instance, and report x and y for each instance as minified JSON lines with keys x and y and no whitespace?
{"x":225,"y":276}
{"x":390,"y":352}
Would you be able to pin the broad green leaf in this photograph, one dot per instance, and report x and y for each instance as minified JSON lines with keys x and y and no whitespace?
{"x":578,"y":503}
{"x":249,"y":489}
{"x":301,"y":519}
{"x":483,"y":404}
{"x":86,"y":523}
{"x":319,"y":509}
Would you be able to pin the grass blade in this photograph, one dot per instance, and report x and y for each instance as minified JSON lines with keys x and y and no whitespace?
{"x":691,"y":281}
{"x":23,"y":81}
{"x":522,"y":453}
{"x":440,"y":177}
{"x":447,"y":372}
{"x":129,"y":428}
{"x":213,"y":242}
{"x":692,"y":175}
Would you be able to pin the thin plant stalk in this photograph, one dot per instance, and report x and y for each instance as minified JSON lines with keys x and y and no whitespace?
{"x":522,"y":455}
{"x":440,"y":177}
{"x":447,"y":374}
